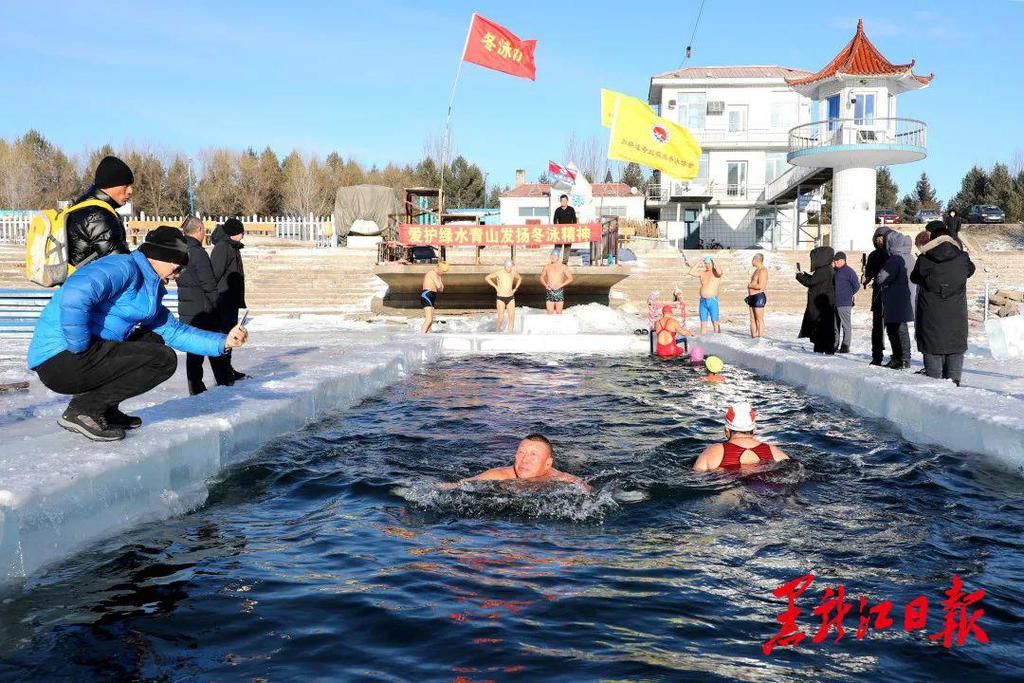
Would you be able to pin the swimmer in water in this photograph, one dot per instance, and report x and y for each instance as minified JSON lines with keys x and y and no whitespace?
{"x":665,"y":329}
{"x":714,"y":366}
{"x":534,"y":462}
{"x":740,"y":447}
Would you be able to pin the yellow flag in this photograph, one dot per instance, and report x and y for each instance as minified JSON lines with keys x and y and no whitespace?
{"x":641,"y":136}
{"x":608,"y":100}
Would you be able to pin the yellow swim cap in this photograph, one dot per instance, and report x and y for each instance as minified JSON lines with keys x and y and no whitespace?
{"x":444,"y":266}
{"x":714,"y":364}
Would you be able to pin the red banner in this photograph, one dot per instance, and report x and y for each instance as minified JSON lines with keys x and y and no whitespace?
{"x":495,"y":47}
{"x":497,"y":235}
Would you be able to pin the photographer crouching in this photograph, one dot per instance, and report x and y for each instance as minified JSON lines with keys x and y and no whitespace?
{"x":106,"y":336}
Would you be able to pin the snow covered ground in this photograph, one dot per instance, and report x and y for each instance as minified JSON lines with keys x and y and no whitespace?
{"x":58,"y":491}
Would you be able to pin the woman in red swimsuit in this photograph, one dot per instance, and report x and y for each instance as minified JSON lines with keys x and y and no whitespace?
{"x":740,"y":447}
{"x":665,"y":330}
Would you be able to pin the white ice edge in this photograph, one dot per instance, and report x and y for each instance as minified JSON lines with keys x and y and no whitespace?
{"x":923,"y":410}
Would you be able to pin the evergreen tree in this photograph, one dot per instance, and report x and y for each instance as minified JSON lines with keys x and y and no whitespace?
{"x":1003,"y":193}
{"x":608,"y":176}
{"x":544,"y":179}
{"x":907,"y":207}
{"x":925,"y":195}
{"x":886,"y":190}
{"x":974,"y":189}
{"x":494,"y":197}
{"x":633,"y":176}
{"x":176,"y":187}
{"x":467,"y":185}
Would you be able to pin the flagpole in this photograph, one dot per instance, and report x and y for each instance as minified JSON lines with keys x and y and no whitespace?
{"x":448,"y":120}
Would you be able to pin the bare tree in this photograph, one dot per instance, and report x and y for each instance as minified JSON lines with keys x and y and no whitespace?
{"x":589,"y":155}
{"x":259,"y":182}
{"x":303,"y":188}
{"x":16,"y":185}
{"x":217,"y":191}
{"x":1017,"y":162}
{"x":149,"y":187}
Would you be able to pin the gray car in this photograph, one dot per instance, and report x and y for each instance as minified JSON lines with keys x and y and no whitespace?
{"x":927,"y":216}
{"x":986,"y":213}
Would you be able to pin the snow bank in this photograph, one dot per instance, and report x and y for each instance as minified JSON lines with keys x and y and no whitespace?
{"x":1006,"y":336}
{"x":924,"y":410}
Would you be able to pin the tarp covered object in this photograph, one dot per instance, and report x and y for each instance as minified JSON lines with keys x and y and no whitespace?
{"x":367,"y":202}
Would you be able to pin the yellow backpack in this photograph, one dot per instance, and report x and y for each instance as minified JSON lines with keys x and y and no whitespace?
{"x":46,"y":260}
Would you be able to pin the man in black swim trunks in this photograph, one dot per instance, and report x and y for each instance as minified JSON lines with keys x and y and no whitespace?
{"x":432,"y":284}
{"x":506,"y":283}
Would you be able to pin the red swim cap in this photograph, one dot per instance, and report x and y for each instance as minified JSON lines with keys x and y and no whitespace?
{"x":666,"y":309}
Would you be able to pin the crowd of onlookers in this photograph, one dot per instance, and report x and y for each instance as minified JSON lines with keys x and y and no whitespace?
{"x":105,"y":336}
{"x":929,"y":290}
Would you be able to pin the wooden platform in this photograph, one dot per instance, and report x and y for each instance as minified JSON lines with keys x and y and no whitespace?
{"x":464,"y":286}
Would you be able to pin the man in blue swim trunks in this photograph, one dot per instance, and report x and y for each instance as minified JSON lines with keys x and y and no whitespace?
{"x":756,"y":296}
{"x":432,"y":284}
{"x":710,"y":276}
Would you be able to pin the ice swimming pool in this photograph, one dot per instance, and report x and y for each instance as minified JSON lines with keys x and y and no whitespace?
{"x":331,"y":555}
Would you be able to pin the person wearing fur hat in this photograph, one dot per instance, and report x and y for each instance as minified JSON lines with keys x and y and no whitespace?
{"x":95,"y":230}
{"x":230,"y":275}
{"x":106,"y":336}
{"x":940,"y":328}
{"x":740,"y":447}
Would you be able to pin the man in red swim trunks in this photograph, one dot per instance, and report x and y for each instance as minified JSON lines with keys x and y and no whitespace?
{"x":665,"y":330}
{"x":740,"y":447}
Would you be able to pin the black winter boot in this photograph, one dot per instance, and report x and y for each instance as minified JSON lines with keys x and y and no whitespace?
{"x":94,"y":427}
{"x":115,"y":418}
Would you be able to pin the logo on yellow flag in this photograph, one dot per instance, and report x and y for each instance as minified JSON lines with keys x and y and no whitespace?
{"x":639,"y":135}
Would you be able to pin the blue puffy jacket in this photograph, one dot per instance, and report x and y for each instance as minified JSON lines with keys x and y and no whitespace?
{"x":108,"y":299}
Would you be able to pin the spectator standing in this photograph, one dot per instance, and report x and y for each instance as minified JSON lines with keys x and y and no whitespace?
{"x":941,"y":274}
{"x":897,"y":297}
{"x":106,"y":336}
{"x":564,"y":214}
{"x":819,"y":323}
{"x":875,"y":260}
{"x":226,"y":261}
{"x":953,"y":223}
{"x":96,"y":231}
{"x":847,"y":285}
{"x":197,"y":303}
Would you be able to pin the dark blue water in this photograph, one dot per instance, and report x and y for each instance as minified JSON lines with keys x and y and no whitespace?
{"x":330,"y":555}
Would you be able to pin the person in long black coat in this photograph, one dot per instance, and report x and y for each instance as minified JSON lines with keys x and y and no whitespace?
{"x":941,"y":274}
{"x":897,"y":297}
{"x":226,"y":260}
{"x":872,"y":266}
{"x":197,"y":304}
{"x":819,"y":323}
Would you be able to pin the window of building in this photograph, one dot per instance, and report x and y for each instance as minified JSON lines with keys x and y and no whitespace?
{"x":774,"y":165}
{"x":702,"y":172}
{"x":609,"y":211}
{"x":736,"y":115}
{"x":783,"y":115}
{"x":833,"y":112}
{"x":864,"y":108}
{"x":533,"y":211}
{"x":691,"y":109}
{"x":765,"y":223}
{"x":736,"y":178}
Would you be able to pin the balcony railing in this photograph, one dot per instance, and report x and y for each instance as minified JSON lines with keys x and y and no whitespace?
{"x":867,"y":132}
{"x":738,"y":192}
{"x":791,"y":177}
{"x":741,"y":138}
{"x":680,"y":189}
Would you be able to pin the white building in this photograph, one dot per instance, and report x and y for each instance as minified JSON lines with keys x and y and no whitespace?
{"x":528,"y":203}
{"x":741,"y":116}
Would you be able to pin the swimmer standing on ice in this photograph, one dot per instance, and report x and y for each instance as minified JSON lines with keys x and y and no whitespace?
{"x":506,"y":283}
{"x":740,"y":447}
{"x":432,"y":284}
{"x":534,"y":463}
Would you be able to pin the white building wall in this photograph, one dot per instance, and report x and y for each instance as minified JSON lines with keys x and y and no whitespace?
{"x":632,"y":205}
{"x":510,"y":210}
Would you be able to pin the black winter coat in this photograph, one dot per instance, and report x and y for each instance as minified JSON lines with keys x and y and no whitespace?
{"x":94,"y":232}
{"x":893,"y":281}
{"x":819,"y":323}
{"x":941,"y":274}
{"x":197,"y":287}
{"x":873,"y":265}
{"x":227,"y":270}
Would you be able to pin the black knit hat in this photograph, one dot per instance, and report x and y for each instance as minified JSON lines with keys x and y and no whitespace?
{"x":112,"y":172}
{"x":936,"y":229}
{"x":166,"y":244}
{"x":232,"y":227}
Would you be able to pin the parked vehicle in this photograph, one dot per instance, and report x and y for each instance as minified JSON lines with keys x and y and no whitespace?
{"x":423,"y":255}
{"x":986,"y":213}
{"x":886,"y":217}
{"x":927,"y":216}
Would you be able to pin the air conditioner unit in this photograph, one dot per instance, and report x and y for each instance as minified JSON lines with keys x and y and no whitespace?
{"x":671,"y":104}
{"x":716,"y":107}
{"x":868,"y":136}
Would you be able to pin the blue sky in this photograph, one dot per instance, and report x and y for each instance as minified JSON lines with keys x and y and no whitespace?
{"x":371,"y":79}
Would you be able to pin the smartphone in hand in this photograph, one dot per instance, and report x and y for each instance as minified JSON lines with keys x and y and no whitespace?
{"x":244,"y":317}
{"x":799,"y":269}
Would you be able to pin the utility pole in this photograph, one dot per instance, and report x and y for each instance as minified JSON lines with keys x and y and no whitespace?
{"x":191,"y":191}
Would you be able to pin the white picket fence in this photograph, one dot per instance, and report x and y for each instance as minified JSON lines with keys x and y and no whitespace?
{"x":313,"y":230}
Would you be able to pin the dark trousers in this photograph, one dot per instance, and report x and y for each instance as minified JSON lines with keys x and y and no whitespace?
{"x":944,"y":366}
{"x":221,"y":366}
{"x":899,"y":340}
{"x":108,"y":372}
{"x":877,"y":334}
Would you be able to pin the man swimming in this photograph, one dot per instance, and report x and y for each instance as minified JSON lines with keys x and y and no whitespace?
{"x":740,"y":447}
{"x":710,"y":278}
{"x":432,"y":284}
{"x":555,"y":277}
{"x":665,"y":330}
{"x":756,"y":297}
{"x":714,"y":365}
{"x":506,"y":282}
{"x":534,"y":462}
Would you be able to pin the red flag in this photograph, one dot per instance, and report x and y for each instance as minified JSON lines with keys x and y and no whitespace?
{"x":495,"y":47}
{"x":562,"y":171}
